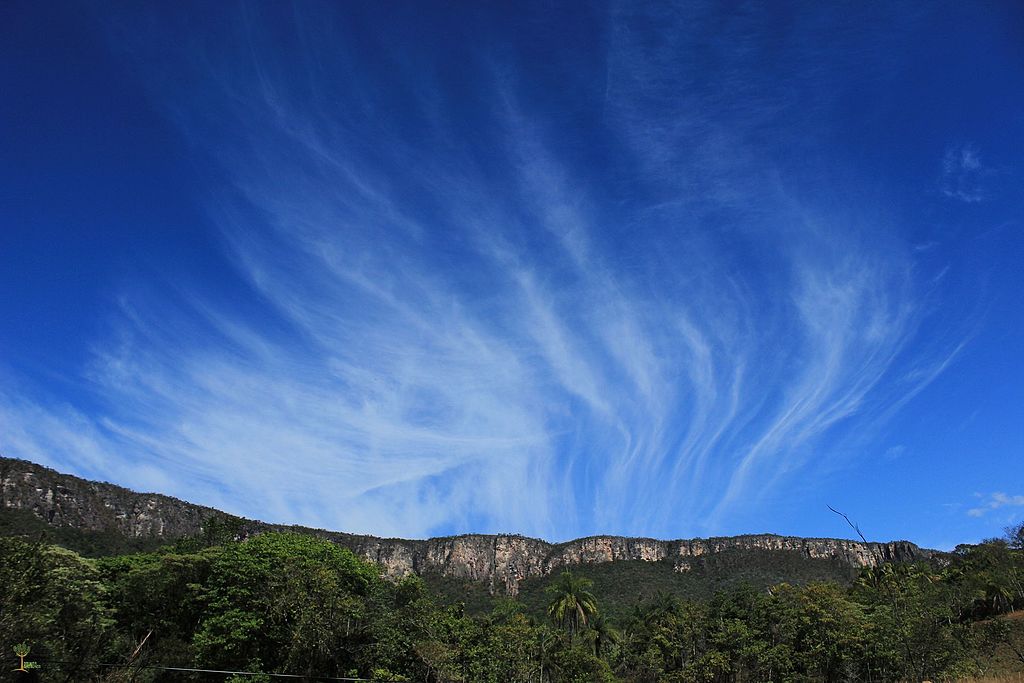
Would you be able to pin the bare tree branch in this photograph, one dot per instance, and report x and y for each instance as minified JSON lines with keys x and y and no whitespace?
{"x":854,"y":526}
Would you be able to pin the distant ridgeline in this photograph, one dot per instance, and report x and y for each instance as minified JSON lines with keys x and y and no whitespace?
{"x":97,"y":518}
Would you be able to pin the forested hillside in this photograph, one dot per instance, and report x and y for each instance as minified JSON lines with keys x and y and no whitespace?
{"x":97,"y":518}
{"x":282,"y":603}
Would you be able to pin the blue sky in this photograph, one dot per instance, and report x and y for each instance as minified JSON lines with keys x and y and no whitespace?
{"x":427,"y":268}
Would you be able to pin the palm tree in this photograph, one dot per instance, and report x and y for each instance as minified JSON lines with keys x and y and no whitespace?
{"x":603,"y":634}
{"x":572,"y":604}
{"x":999,"y":597}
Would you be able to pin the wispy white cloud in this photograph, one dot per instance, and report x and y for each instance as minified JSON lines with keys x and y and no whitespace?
{"x":435,"y":339}
{"x":994,"y":501}
{"x":964,"y":176}
{"x":895,"y":452}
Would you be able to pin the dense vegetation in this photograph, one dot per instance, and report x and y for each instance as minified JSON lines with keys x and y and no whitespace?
{"x":287,"y":603}
{"x":626,"y":584}
{"x":25,"y":524}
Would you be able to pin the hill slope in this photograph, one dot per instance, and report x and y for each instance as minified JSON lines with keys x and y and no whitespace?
{"x":97,"y":517}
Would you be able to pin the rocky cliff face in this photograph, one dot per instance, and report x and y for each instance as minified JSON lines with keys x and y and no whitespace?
{"x":66,"y":501}
{"x":504,"y":561}
{"x":500,"y":561}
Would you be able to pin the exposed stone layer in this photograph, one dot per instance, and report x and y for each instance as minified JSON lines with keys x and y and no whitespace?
{"x":68,"y":501}
{"x":501,"y":561}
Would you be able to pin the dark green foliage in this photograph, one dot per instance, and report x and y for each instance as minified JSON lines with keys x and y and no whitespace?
{"x":283,"y":602}
{"x":53,"y":600}
{"x":288,"y":603}
{"x":474,"y":597}
{"x":620,"y":586}
{"x":156,"y":602}
{"x":571,"y":605}
{"x":217,"y":530}
{"x":26,"y":525}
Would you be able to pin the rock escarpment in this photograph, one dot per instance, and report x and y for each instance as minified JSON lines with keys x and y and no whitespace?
{"x":504,"y":561}
{"x":500,"y":561}
{"x":63,"y":500}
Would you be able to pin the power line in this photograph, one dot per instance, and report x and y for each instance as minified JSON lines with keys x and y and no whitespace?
{"x":183,"y":669}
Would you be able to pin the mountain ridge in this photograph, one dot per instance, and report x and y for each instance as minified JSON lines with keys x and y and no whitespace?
{"x":501,"y":561}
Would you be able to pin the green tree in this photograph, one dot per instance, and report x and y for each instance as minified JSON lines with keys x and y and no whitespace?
{"x":915,"y":629}
{"x":156,"y":601}
{"x":572,"y":604}
{"x":602,"y":634}
{"x":284,"y":603}
{"x":53,"y":600}
{"x":829,"y":632}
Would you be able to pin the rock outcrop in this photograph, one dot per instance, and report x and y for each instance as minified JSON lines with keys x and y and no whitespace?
{"x":500,"y":561}
{"x":503,"y":561}
{"x":64,"y":500}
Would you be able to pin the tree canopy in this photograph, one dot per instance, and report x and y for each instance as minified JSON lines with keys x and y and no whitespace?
{"x":296,"y":604}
